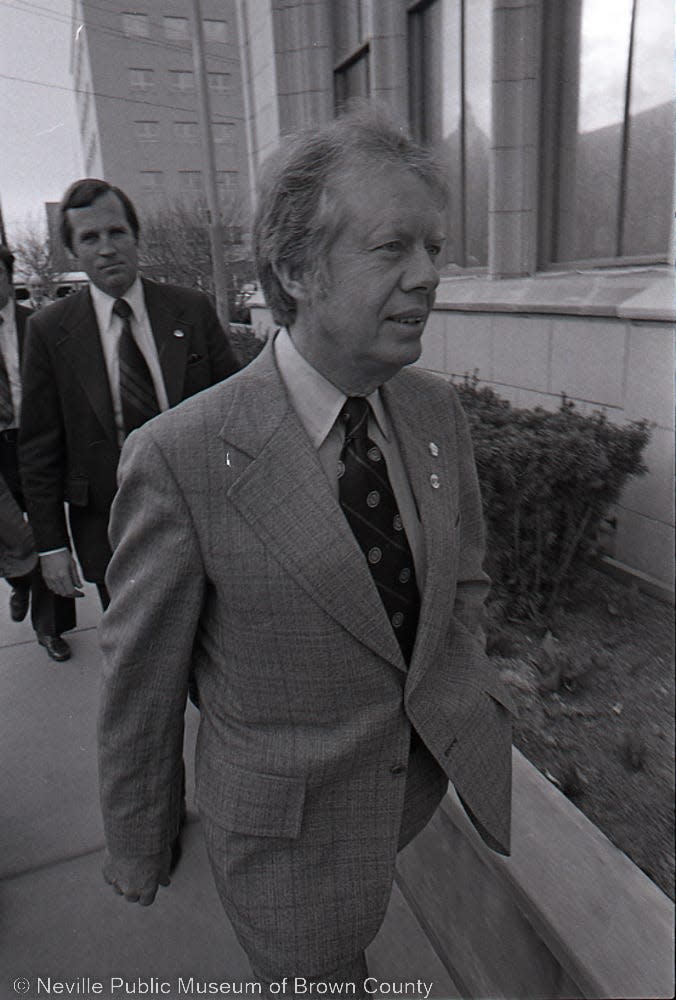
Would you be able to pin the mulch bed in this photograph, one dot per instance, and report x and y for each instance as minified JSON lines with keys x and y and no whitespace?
{"x":595,"y":696}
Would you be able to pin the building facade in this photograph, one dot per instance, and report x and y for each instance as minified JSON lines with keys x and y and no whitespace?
{"x":134,"y":80}
{"x":555,"y":118}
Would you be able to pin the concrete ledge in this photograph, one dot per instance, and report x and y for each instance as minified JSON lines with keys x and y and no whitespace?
{"x":568,"y":915}
{"x":646,"y":584}
{"x":640,"y":293}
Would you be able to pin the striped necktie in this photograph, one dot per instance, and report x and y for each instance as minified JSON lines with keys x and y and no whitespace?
{"x":370,"y":506}
{"x":137,"y":390}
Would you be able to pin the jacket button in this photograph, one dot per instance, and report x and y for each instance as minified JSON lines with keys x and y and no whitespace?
{"x":398,"y":769}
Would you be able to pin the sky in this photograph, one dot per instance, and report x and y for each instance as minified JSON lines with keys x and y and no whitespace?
{"x":39,"y":139}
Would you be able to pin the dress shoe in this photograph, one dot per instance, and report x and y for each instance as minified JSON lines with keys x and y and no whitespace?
{"x":57,"y":647}
{"x":18,"y":603}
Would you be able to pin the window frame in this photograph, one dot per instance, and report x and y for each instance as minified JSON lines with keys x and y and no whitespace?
{"x":554,"y":44}
{"x":138,"y":17}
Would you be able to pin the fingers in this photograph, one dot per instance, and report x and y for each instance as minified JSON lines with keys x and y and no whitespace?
{"x":137,"y":879}
{"x":60,"y":573}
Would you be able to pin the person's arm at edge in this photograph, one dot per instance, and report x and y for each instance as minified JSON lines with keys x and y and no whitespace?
{"x":41,"y":443}
{"x":221,"y":354}
{"x":156,"y":582}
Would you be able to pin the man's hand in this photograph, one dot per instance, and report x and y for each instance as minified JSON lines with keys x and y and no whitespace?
{"x":60,"y":574}
{"x":137,"y":879}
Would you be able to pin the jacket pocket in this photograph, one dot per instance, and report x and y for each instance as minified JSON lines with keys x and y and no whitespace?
{"x":77,"y":491}
{"x":262,"y":805}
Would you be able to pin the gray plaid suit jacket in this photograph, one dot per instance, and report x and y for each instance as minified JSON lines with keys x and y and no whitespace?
{"x":233,"y":558}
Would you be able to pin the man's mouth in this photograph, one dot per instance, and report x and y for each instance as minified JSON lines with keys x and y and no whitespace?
{"x":408,"y":318}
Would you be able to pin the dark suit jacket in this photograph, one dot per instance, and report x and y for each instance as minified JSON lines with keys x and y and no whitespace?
{"x":68,"y":443}
{"x":17,"y":555}
{"x":234,"y":559}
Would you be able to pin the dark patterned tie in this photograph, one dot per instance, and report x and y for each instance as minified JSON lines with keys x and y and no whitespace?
{"x":6,"y":405}
{"x":370,"y":507}
{"x":137,"y":391}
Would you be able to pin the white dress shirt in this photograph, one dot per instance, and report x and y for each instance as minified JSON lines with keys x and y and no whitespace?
{"x":110,"y":328}
{"x":318,"y":403}
{"x":9,"y":346}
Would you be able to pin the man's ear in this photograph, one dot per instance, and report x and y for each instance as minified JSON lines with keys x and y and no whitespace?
{"x":295,"y":285}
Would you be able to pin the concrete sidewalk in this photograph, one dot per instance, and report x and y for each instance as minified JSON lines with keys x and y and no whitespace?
{"x":58,"y":919}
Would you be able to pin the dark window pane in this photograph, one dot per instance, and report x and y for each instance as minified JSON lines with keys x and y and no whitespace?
{"x":451,"y":110}
{"x":650,"y":165}
{"x":590,"y":154}
{"x":352,"y":81}
{"x":615,"y":170}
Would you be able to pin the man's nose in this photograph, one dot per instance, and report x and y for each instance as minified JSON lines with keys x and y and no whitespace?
{"x":421,"y":271}
{"x":106,"y":245}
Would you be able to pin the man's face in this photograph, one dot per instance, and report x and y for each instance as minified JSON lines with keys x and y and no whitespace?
{"x":104,"y":244}
{"x":381,"y":277}
{"x":5,"y":286}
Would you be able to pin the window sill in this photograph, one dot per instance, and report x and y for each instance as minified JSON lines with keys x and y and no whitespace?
{"x":635,"y":293}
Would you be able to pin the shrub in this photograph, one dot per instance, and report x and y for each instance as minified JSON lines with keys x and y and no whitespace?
{"x":547,"y":480}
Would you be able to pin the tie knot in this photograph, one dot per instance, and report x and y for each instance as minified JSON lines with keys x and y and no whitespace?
{"x":122,"y":308}
{"x":354,"y":413}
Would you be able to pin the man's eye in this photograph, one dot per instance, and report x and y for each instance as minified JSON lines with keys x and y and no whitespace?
{"x":434,"y":249}
{"x":392,"y":246}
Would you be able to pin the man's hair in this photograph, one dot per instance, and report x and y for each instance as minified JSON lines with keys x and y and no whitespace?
{"x":298,"y":214}
{"x":7,"y":258}
{"x":82,"y":194}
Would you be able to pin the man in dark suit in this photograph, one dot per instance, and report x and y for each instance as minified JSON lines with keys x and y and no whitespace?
{"x":50,"y":614}
{"x":98,"y":364}
{"x":308,"y":541}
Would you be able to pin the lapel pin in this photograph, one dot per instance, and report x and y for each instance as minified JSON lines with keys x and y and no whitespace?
{"x":179,"y":333}
{"x":434,"y":449}
{"x":435,"y":481}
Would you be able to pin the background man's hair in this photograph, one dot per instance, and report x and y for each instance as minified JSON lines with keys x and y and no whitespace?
{"x":82,"y":194}
{"x":7,"y":258}
{"x":298,"y":214}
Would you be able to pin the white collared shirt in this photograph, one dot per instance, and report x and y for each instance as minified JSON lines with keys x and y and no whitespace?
{"x":317,"y":403}
{"x":110,"y":328}
{"x":9,"y":346}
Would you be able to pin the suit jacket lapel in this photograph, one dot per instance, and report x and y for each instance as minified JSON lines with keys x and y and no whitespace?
{"x":285,"y":497}
{"x":417,"y":430}
{"x":80,"y":343}
{"x":166,"y":320}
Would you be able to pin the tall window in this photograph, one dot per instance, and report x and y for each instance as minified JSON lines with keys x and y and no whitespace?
{"x":219,"y":83}
{"x":151,"y":180}
{"x":215,"y":31}
{"x":450,"y":53}
{"x":608,"y":130}
{"x":181,"y":79}
{"x":223,"y":131}
{"x":351,"y":73}
{"x":147,"y":131}
{"x":135,"y":25}
{"x":176,"y":29}
{"x":141,"y":79}
{"x":187,"y":131}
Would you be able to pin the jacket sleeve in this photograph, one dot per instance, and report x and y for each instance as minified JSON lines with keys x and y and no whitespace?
{"x":42,"y":446}
{"x":473,"y":583}
{"x":156,"y":582}
{"x":221,"y":355}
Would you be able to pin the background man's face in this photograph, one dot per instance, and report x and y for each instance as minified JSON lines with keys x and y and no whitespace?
{"x":5,"y":286}
{"x":104,"y":244}
{"x":367,"y":322}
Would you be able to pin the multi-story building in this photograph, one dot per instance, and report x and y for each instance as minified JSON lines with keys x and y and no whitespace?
{"x":133,"y":74}
{"x":555,"y":118}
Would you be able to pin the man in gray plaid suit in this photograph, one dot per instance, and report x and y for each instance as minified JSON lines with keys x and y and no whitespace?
{"x":332,"y":717}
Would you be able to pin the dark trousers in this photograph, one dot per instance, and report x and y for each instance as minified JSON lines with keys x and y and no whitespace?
{"x":50,"y":614}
